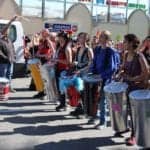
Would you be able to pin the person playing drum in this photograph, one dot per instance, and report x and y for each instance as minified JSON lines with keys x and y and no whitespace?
{"x":105,"y":65}
{"x":46,"y":50}
{"x":134,"y":72}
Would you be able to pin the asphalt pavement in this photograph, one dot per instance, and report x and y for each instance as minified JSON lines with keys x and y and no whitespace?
{"x":33,"y":124}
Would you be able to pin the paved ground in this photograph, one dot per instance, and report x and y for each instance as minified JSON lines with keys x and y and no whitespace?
{"x":27,"y":124}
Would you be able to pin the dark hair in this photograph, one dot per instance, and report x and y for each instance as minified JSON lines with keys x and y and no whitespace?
{"x":86,"y":36}
{"x":132,"y":38}
{"x":64,"y":35}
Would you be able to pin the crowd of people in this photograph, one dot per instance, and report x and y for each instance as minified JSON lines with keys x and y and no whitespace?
{"x":77,"y":57}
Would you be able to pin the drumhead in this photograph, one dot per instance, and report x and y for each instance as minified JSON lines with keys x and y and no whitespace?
{"x":33,"y":61}
{"x":115,"y":87}
{"x":140,"y":95}
{"x":92,"y":78}
{"x":3,"y":80}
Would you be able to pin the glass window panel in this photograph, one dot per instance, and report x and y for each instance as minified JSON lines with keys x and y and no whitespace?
{"x":99,"y":13}
{"x":54,"y":8}
{"x":32,"y":8}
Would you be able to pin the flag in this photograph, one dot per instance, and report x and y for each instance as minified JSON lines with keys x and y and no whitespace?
{"x":100,"y":1}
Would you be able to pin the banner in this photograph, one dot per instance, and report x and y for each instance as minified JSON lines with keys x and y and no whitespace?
{"x":116,"y":3}
{"x":100,"y":1}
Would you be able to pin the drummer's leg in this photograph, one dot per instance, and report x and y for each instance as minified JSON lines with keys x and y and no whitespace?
{"x":102,"y":108}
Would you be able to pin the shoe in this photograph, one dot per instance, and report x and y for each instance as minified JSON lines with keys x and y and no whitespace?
{"x":118,"y":134}
{"x":131,"y":141}
{"x":12,"y":90}
{"x":101,"y":126}
{"x":78,"y":111}
{"x":39,"y":95}
{"x":60,"y":107}
{"x":91,"y":120}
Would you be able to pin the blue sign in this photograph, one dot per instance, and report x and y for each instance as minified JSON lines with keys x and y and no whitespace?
{"x":54,"y":27}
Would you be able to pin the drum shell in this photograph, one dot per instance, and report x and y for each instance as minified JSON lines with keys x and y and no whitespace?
{"x":141,"y":116}
{"x":33,"y":65}
{"x":4,"y":89}
{"x":118,"y":107}
{"x":48,"y":75}
{"x":91,"y":95}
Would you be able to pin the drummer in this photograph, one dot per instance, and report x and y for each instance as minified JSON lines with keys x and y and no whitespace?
{"x":105,"y":65}
{"x":46,"y":50}
{"x":134,"y":71}
{"x":82,"y":61}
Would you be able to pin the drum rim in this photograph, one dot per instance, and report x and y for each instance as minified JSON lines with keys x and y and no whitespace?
{"x":3,"y":80}
{"x":108,"y":90}
{"x":133,"y":95}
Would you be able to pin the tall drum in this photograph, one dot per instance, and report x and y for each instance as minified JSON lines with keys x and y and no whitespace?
{"x":4,"y":89}
{"x":140,"y":103}
{"x":115,"y":93}
{"x":35,"y":72}
{"x":92,"y":85}
{"x":48,"y":76}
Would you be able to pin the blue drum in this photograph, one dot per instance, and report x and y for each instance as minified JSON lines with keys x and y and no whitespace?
{"x":91,"y":95}
{"x":140,"y":103}
{"x":115,"y":93}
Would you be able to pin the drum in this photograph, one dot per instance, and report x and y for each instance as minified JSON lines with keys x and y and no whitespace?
{"x":48,"y":76}
{"x":115,"y":93}
{"x":91,"y":95}
{"x":35,"y":73}
{"x":140,"y":104}
{"x":4,"y":89}
{"x":72,"y":85}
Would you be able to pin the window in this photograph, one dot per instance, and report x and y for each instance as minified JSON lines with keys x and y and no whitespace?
{"x":12,"y":32}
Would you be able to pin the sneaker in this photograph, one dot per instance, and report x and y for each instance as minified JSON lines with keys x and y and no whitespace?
{"x":118,"y":134}
{"x":78,"y":111}
{"x":131,"y":141}
{"x":101,"y":126}
{"x":60,"y":107}
{"x":39,"y":95}
{"x":91,"y":120}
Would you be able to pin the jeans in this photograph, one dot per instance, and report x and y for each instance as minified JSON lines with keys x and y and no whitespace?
{"x":9,"y":72}
{"x":103,"y":103}
{"x":3,"y":70}
{"x":102,"y":107}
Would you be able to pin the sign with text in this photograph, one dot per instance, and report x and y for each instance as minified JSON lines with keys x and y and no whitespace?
{"x":57,"y":27}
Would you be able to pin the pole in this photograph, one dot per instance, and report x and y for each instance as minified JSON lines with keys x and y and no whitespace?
{"x":20,"y":3}
{"x":92,"y":7}
{"x":108,"y":11}
{"x":127,"y":11}
{"x":64,"y":8}
{"x":43,"y":9}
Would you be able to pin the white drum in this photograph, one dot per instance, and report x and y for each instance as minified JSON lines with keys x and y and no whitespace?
{"x":140,"y":103}
{"x":33,"y":61}
{"x":48,"y":75}
{"x":115,"y":93}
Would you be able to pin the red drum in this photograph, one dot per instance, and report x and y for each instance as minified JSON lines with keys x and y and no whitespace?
{"x":92,"y":85}
{"x":4,"y":89}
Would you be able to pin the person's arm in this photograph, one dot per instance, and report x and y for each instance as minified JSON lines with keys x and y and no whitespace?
{"x":4,"y":30}
{"x":68,"y":53}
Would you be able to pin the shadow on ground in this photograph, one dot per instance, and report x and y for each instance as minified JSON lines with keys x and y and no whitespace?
{"x":84,"y":144}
